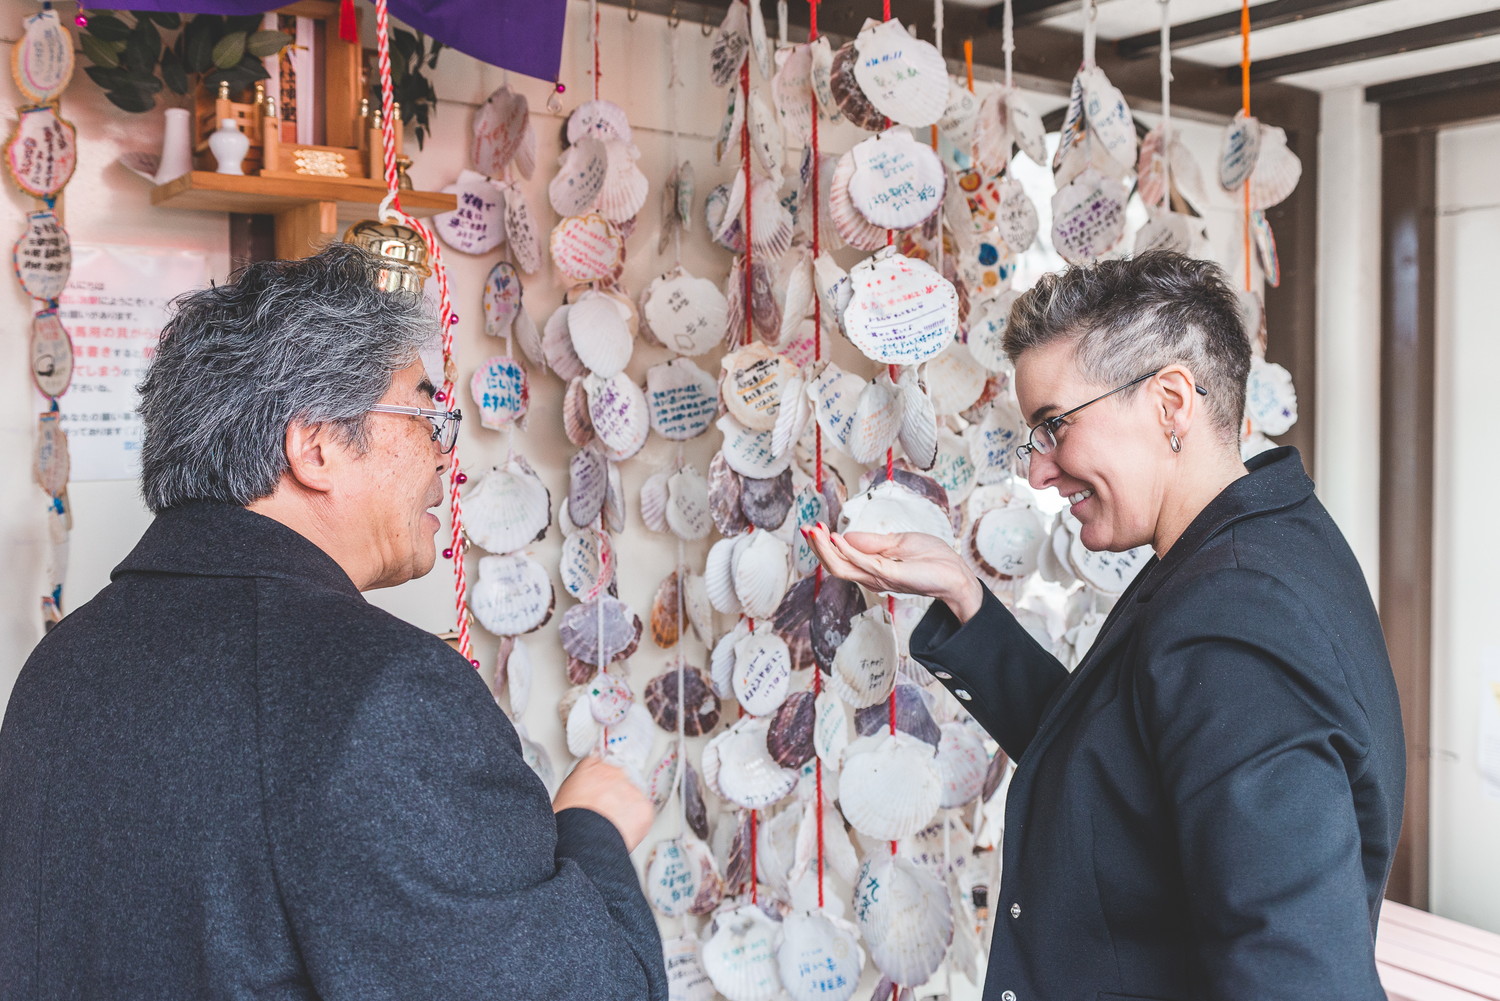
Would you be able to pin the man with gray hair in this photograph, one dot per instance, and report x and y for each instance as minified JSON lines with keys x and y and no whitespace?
{"x":228,"y":775}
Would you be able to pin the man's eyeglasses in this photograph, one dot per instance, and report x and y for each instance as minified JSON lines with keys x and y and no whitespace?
{"x":1043,"y":438}
{"x":444,"y":422}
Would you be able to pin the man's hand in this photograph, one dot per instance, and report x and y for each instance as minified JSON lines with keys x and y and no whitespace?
{"x":608,"y":791}
{"x":904,"y":563}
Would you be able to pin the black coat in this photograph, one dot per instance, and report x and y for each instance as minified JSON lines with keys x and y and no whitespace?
{"x":1208,"y":806}
{"x":230,"y":777}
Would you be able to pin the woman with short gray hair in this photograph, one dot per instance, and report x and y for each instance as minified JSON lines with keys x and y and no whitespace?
{"x":1208,"y":806}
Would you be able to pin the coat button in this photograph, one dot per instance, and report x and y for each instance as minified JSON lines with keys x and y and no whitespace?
{"x":1015,"y":910}
{"x":942,"y":675}
{"x":1008,"y":996}
{"x":962,"y":693}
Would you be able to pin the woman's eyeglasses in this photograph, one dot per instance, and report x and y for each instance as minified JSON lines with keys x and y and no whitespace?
{"x":1043,"y":438}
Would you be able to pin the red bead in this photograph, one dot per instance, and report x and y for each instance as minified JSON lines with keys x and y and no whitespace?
{"x":475,"y":663}
{"x":452,"y":319}
{"x":562,"y":87}
{"x":462,"y":478}
{"x":447,"y":554}
{"x":81,"y":21}
{"x":439,"y":396}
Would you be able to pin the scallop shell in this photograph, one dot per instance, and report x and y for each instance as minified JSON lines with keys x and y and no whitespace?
{"x":1239,"y":150}
{"x":792,"y":416}
{"x":821,"y":73}
{"x":798,"y":294}
{"x":730,"y":129}
{"x":954,"y":469}
{"x":628,"y":743}
{"x":582,"y":169}
{"x":873,"y":766}
{"x":581,"y":636}
{"x":902,"y":311}
{"x":819,"y":959}
{"x":850,"y":224}
{"x":557,"y":347}
{"x":731,"y":43}
{"x":897,"y":182}
{"x":905,"y":917}
{"x":962,"y":763}
{"x":515,"y":668}
{"x":700,"y":705}
{"x":502,"y":299}
{"x":762,"y":672}
{"x":771,"y":222}
{"x":877,"y":420}
{"x":661,"y":782}
{"x":726,"y":491}
{"x":478,"y":226}
{"x":913,"y":716}
{"x":830,"y":730}
{"x":512,"y":596}
{"x":740,"y":956}
{"x":844,"y":87}
{"x":835,"y":394}
{"x":1270,"y":398}
{"x":587,"y":564}
{"x":724,"y":226}
{"x":754,"y":377}
{"x":765,"y":137}
{"x":919,"y":429}
{"x":747,"y":775}
{"x":789,"y":739}
{"x":686,"y":980}
{"x":1265,"y":248}
{"x":793,"y":619}
{"x":609,"y":698}
{"x":587,"y":248}
{"x":791,"y":88}
{"x":687,"y":512}
{"x":718,"y":578}
{"x":1110,"y":123}
{"x":1107,"y":572}
{"x":987,"y":324}
{"x":905,"y":78}
{"x":693,"y":806}
{"x":600,"y":334}
{"x":507,"y":508}
{"x":1165,"y":231}
{"x":760,"y":571}
{"x":1277,"y":170}
{"x":864,"y":665}
{"x":959,"y":116}
{"x":749,"y":452}
{"x":766,"y":503}
{"x":602,"y":120}
{"x":837,"y":604}
{"x":1016,"y":217}
{"x":681,"y":878}
{"x":993,"y":442}
{"x":1088,"y":217}
{"x":521,"y":231}
{"x":688,"y":315}
{"x":42,"y":63}
{"x":529,"y":338}
{"x":617,"y":409}
{"x":581,"y":732}
{"x":576,"y":423}
{"x":891,"y":507}
{"x":1026,"y":127}
{"x":43,"y":255}
{"x":700,"y":610}
{"x":666,"y":612}
{"x":955,"y":380}
{"x":681,"y":398}
{"x":588,"y":481}
{"x":625,"y":187}
{"x":1151,"y":170}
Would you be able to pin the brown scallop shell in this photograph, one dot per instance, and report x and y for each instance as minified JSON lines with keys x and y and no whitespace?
{"x":917,"y":482}
{"x":847,"y":94}
{"x":994,"y":776}
{"x":793,"y":621}
{"x":579,"y":672}
{"x":502,"y":661}
{"x":667,"y":613}
{"x":737,"y":869}
{"x":834,"y":609}
{"x":790,"y":737}
{"x":577,"y":424}
{"x":701,"y":709}
{"x":912,"y":716}
{"x":693,"y":806}
{"x":765,"y":503}
{"x":725,"y":492}
{"x":765,"y":311}
{"x":588,"y":483}
{"x":734,"y":295}
{"x":581,"y":636}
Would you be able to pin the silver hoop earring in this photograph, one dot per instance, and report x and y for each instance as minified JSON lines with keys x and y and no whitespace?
{"x":1175,"y":442}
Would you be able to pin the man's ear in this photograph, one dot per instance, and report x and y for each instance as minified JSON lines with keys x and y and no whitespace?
{"x":313,"y":456}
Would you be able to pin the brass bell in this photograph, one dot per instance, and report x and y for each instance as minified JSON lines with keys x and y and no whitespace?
{"x":401,"y":249}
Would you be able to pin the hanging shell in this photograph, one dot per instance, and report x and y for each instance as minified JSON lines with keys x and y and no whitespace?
{"x":725,"y":497}
{"x":740,"y":956}
{"x":681,"y":398}
{"x":600,"y":334}
{"x":1239,"y":151}
{"x":693,"y":806}
{"x":687,"y":511}
{"x":902,"y":311}
{"x":747,"y":775}
{"x":718,"y":577}
{"x":507,"y":508}
{"x":618,"y":411}
{"x":762,"y":672}
{"x":919,"y":428}
{"x":766,"y":503}
{"x":557,"y":347}
{"x":877,"y":420}
{"x":838,"y":603}
{"x":897,"y":182}
{"x":576,"y":423}
{"x":913,"y":716}
{"x":700,"y":705}
{"x":681,"y":878}
{"x":904,"y":916}
{"x":864,"y":665}
{"x":890,"y":507}
{"x":587,"y":564}
{"x":818,"y":958}
{"x":844,"y":87}
{"x":962,"y":764}
{"x":760,"y":571}
{"x":793,"y":620}
{"x":588,"y":482}
{"x":581,"y":635}
{"x":687,"y":314}
{"x":789,"y":739}
{"x":749,"y":452}
{"x":654,"y":502}
{"x":754,"y":379}
{"x":667,"y":613}
{"x":512,"y":596}
{"x":580,"y":176}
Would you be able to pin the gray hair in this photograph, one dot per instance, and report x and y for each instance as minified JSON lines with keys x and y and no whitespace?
{"x":1129,"y":317}
{"x":310,"y":341}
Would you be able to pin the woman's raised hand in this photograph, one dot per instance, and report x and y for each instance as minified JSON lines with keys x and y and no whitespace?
{"x":903,"y":563}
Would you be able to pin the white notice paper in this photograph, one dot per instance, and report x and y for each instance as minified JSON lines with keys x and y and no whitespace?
{"x":114,"y":308}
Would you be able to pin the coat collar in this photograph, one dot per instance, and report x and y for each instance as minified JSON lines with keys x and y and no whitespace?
{"x":212,"y":539}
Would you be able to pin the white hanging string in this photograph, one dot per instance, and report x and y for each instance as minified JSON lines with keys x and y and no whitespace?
{"x":1008,"y":34}
{"x":673,"y":83}
{"x":781,"y":22}
{"x":1090,"y":29}
{"x":937,"y":35}
{"x":1166,"y":102}
{"x":599,"y":623}
{"x":947,"y":864}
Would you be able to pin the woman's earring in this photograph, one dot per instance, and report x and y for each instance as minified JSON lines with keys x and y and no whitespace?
{"x":1175,"y":441}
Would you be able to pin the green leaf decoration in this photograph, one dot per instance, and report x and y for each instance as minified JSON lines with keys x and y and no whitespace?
{"x":108,"y":28}
{"x":264,"y":44}
{"x":98,"y":52}
{"x":243,"y":22}
{"x":172,"y":72}
{"x":197,"y":46}
{"x":229,"y":50}
{"x":109,"y":78}
{"x":168,"y":19}
{"x":131,"y":100}
{"x":147,"y":40}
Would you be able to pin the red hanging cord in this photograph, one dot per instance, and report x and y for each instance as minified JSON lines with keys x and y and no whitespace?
{"x":816,"y":209}
{"x":754,"y":878}
{"x":596,"y":53}
{"x":1245,"y":104}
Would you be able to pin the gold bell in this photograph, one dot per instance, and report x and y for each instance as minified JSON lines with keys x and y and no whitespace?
{"x":401,"y":249}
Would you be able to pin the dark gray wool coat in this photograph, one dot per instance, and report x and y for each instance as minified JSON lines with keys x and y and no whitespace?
{"x":1207,"y":808}
{"x":230,"y":777}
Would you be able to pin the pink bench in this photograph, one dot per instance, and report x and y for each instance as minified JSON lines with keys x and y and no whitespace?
{"x":1422,"y":957}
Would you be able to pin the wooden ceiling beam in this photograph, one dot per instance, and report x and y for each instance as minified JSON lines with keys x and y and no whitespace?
{"x":1434,"y":83}
{"x":1426,"y":36}
{"x":1210,"y":29}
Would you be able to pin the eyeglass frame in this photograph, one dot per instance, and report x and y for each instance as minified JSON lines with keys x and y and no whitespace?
{"x":433,"y":416}
{"x":1023,"y":452}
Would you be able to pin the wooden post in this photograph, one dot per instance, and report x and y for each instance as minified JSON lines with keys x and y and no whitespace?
{"x":304,"y":230}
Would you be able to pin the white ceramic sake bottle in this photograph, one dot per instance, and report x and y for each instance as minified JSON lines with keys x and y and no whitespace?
{"x":229,"y":146}
{"x":176,"y":146}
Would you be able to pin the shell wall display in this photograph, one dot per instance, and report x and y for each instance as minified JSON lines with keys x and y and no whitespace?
{"x":676,"y":369}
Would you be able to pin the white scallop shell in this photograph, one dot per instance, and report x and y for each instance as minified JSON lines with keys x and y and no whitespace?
{"x":520,"y":229}
{"x":905,"y":78}
{"x":581,"y":731}
{"x":1270,"y":398}
{"x":586,"y":248}
{"x":993,"y":442}
{"x":602,"y":120}
{"x":833,"y":288}
{"x":512,"y":596}
{"x":955,"y":380}
{"x":582,"y":168}
{"x":919,"y":428}
{"x":864,"y":666}
{"x":609,"y":698}
{"x":682,"y":878}
{"x":600,"y":333}
{"x":792,"y":416}
{"x":529,"y":338}
{"x":890,"y":507}
{"x":954,"y":469}
{"x":1016,"y":216}
{"x":765,"y":136}
{"x":762,"y":676}
{"x":873,"y":767}
{"x":1088,"y":217}
{"x":700,"y":610}
{"x":835,"y":396}
{"x":877,"y":420}
{"x":962,"y":763}
{"x":791,"y":89}
{"x":688,"y":315}
{"x":822,"y":70}
{"x":754,"y":379}
{"x":771,"y":221}
{"x":617,"y":409}
{"x":740,"y":956}
{"x":721,"y":668}
{"x":850,"y":224}
{"x":586,"y":564}
{"x":897,"y":182}
{"x":1109,"y":119}
{"x":750,"y":452}
{"x":686,"y":980}
{"x":625,"y":187}
{"x":819,"y":959}
{"x":1277,"y":170}
{"x":799,"y":294}
{"x":557,"y":346}
{"x":661,"y":781}
{"x":992,"y":141}
{"x":477,"y":226}
{"x":1166,"y":231}
{"x":1239,"y":150}
{"x":628,"y":743}
{"x":1107,"y":572}
{"x":1008,"y":541}
{"x":507,"y":509}
{"x":1026,"y":128}
{"x":987,"y":323}
{"x":902,"y":311}
{"x":687,"y":511}
{"x":959,"y":116}
{"x":905,"y":916}
{"x":681,"y":398}
{"x":718,"y":577}
{"x":760,"y":572}
{"x":502,"y":299}
{"x":747,"y":775}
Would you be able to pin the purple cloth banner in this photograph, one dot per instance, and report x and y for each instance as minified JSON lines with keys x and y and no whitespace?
{"x":524,"y":36}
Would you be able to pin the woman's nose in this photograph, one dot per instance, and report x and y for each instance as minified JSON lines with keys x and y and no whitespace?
{"x":1041,"y":471}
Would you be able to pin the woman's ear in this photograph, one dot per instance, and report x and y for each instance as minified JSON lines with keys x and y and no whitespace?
{"x":1176,"y":399}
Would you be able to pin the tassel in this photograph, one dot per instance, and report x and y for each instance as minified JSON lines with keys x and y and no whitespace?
{"x":348,"y":27}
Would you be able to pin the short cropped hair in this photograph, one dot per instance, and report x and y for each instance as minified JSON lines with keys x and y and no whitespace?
{"x":310,"y":341}
{"x":1133,"y":316}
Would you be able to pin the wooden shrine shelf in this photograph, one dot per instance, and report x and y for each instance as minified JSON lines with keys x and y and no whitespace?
{"x":307,"y":209}
{"x":213,"y":192}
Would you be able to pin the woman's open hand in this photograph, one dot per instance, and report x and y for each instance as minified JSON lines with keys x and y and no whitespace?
{"x":903,"y":563}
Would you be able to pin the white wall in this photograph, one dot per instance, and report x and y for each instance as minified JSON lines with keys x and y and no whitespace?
{"x":1465,"y":817}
